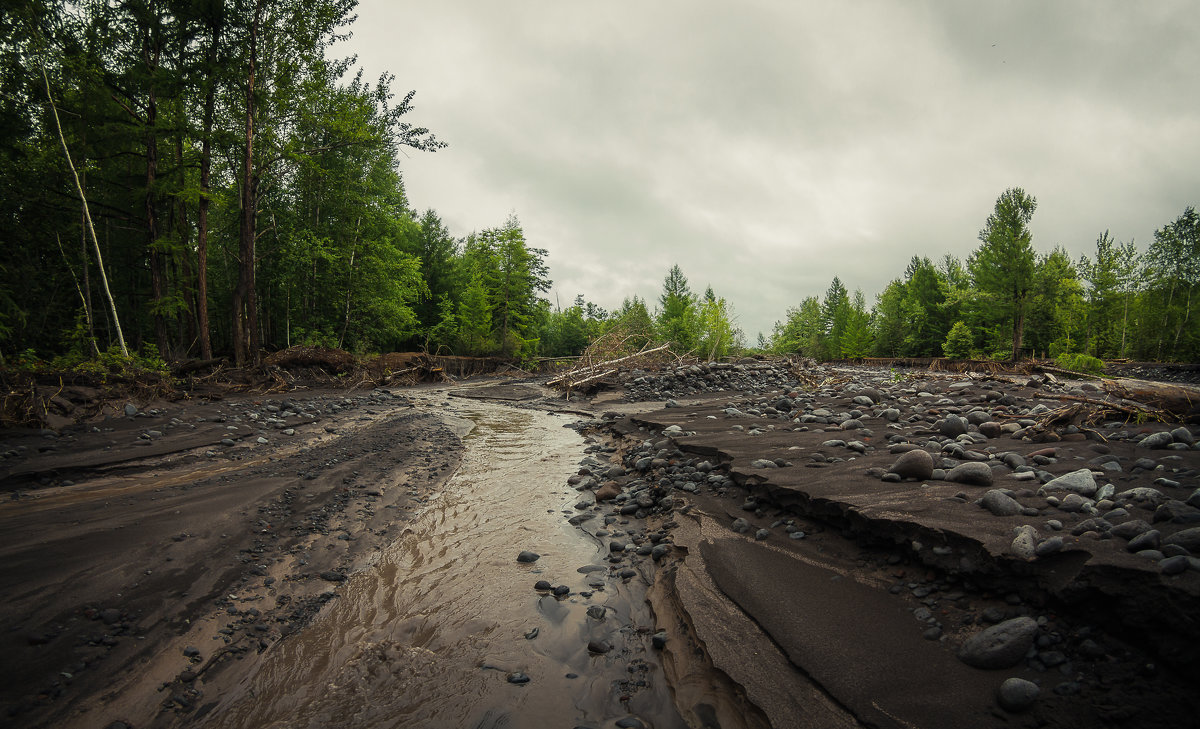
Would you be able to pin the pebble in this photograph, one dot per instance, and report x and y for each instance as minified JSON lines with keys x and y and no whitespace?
{"x":518,"y":678}
{"x":1017,"y":694}
{"x":527,"y":556}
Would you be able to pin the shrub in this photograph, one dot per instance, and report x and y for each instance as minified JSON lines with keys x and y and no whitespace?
{"x":1077,"y":362}
{"x":959,"y":341}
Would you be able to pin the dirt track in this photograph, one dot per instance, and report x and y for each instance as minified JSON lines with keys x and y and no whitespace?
{"x":119,"y":547}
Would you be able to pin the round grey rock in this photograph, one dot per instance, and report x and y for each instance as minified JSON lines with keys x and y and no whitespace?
{"x":527,"y":556}
{"x":916,"y":464}
{"x":1017,"y":694}
{"x":1157,"y":440}
{"x":971,"y":474}
{"x":1001,"y":646}
{"x":1000,"y":503}
{"x":953,"y":426}
{"x":1189,"y":539}
{"x":1080,"y":482}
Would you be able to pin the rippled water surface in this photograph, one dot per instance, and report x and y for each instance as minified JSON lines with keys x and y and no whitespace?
{"x":428,"y":636}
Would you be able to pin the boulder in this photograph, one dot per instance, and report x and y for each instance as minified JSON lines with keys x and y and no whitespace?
{"x":1001,"y":646}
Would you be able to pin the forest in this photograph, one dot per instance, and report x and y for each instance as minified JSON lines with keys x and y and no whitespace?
{"x":193,"y":179}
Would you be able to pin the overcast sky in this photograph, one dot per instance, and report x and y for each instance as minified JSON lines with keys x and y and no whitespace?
{"x":766,"y":147}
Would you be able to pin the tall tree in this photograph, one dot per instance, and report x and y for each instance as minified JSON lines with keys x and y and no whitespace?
{"x":1003,"y":266}
{"x":1173,"y":275}
{"x":718,"y":334}
{"x":677,"y":312}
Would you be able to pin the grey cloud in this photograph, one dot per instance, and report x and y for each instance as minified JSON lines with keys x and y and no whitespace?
{"x":768,"y":146}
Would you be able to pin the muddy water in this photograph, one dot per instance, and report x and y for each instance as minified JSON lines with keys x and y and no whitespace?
{"x":431,"y":634}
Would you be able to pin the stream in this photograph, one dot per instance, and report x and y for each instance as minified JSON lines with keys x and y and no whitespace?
{"x":445,"y":628}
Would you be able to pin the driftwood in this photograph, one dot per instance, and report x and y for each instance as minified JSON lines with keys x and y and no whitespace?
{"x":1128,"y":400}
{"x":1181,"y":401}
{"x":587,"y":373}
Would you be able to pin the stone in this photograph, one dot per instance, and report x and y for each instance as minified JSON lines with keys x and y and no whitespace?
{"x":1141,"y":496}
{"x":1189,"y":539}
{"x":1017,"y":694}
{"x":1183,"y":435}
{"x":1001,"y":646}
{"x":608,"y":491}
{"x":1000,"y":503}
{"x":1157,"y":440}
{"x":990,"y":429}
{"x":1194,"y":499}
{"x":518,"y":678}
{"x":1081,"y":482}
{"x":1073,"y":503}
{"x":1130,"y":529}
{"x":1177,"y":512}
{"x":916,"y":464}
{"x":741,"y":526}
{"x":1049,"y":546}
{"x":1173,"y":565}
{"x":527,"y":556}
{"x":1149,"y":539}
{"x":598,"y":646}
{"x":952,"y":426}
{"x":1024,"y":543}
{"x":131,"y":409}
{"x":972,"y":474}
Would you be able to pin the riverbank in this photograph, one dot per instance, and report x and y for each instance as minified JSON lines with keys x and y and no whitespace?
{"x":857,"y":530}
{"x":819,"y":547}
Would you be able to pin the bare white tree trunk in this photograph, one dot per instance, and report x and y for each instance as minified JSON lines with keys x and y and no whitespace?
{"x":88,"y":216}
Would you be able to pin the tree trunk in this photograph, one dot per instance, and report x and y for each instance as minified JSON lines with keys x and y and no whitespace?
{"x":349,"y":282}
{"x":245,"y":300}
{"x":1018,"y":331}
{"x":158,"y":275}
{"x":202,"y":209}
{"x":87,"y":216}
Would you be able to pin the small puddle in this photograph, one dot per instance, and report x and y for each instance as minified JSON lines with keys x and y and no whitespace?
{"x":430,"y":634}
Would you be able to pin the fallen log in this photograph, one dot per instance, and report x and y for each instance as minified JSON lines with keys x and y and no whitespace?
{"x":1181,"y":401}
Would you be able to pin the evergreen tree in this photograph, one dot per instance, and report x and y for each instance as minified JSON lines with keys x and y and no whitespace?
{"x":677,"y":317}
{"x":1003,"y":266}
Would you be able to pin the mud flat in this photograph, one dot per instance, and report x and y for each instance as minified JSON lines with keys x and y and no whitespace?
{"x":148,"y":554}
{"x":913,"y":550}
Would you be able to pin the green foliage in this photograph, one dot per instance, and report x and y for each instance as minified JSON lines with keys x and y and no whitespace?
{"x":1002,"y":268}
{"x":959,"y":341}
{"x":1076,"y":362}
{"x":677,"y":318}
